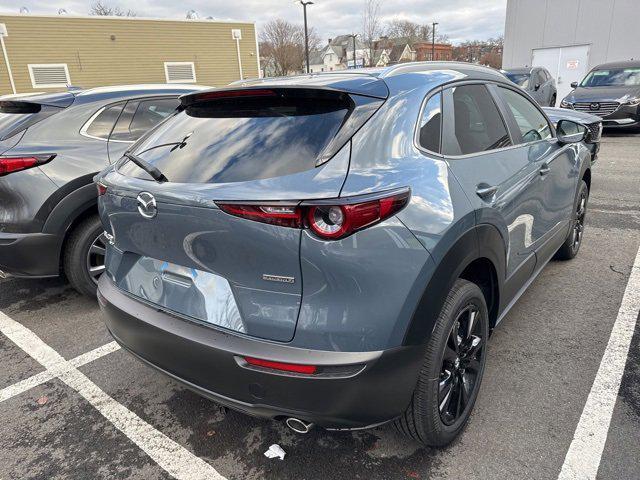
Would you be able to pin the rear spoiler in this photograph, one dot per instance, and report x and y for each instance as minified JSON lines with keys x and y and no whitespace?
{"x":364,"y":85}
{"x":34,"y":103}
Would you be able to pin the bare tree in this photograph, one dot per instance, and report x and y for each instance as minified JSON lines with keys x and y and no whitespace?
{"x":487,"y":52}
{"x":371,"y":26}
{"x":282,"y":43}
{"x":103,"y":9}
{"x":398,"y":28}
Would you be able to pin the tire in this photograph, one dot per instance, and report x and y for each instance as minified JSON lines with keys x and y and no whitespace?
{"x":423,"y":420}
{"x":83,"y":259}
{"x":571,"y":245}
{"x":554,"y":99}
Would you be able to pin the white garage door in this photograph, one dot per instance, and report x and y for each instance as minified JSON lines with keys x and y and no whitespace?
{"x":566,"y":65}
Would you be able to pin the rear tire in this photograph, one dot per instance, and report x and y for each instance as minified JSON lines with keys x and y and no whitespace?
{"x":554,"y":99}
{"x":84,"y":256}
{"x":571,"y":245}
{"x":452,"y":369}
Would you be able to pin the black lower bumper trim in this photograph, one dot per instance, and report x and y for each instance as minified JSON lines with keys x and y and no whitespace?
{"x":203,"y":359}
{"x":30,"y":254}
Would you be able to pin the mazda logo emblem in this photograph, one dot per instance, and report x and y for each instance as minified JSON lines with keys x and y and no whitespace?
{"x":147,"y":205}
{"x":595,"y":106}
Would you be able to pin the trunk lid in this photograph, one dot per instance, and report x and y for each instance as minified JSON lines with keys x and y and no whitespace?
{"x":193,"y":259}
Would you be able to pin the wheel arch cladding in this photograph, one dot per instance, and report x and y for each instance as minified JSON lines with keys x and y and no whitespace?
{"x":586,"y":176}
{"x":478,"y":255}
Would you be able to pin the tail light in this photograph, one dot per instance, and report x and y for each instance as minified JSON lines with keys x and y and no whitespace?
{"x":285,"y":216}
{"x":327,"y":219}
{"x":15,"y":164}
{"x":102,"y":188}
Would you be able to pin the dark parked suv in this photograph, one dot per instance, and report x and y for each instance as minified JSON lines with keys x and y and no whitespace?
{"x":537,"y":82}
{"x":51,"y":146}
{"x":335,"y":248}
{"x":610,"y":91}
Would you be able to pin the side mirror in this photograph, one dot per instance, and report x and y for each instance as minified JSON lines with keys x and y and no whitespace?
{"x":574,"y":84}
{"x":570,"y":132}
{"x":537,"y":87}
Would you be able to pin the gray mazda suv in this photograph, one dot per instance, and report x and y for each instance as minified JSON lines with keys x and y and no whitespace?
{"x":51,"y":147}
{"x":334,"y":249}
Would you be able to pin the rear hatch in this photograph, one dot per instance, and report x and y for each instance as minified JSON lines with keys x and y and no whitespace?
{"x":264,"y":148}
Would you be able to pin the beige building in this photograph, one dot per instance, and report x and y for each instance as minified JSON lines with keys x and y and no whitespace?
{"x":48,"y":52}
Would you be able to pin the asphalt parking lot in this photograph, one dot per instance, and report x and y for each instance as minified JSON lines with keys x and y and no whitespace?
{"x":74,"y":405}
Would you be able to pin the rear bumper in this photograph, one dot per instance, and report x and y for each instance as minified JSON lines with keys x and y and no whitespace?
{"x":206,"y":360}
{"x":30,"y":254}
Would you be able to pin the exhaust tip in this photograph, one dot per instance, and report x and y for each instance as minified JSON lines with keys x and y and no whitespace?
{"x":298,"y":426}
{"x":3,"y":274}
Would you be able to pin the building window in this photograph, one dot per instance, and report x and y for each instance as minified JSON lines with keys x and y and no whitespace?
{"x":49,"y":75}
{"x":180,"y":72}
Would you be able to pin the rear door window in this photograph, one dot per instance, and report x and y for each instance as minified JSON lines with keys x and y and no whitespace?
{"x":473,"y":123}
{"x":139,"y":116}
{"x":101,"y":125}
{"x":532,"y":123}
{"x":244,"y":138}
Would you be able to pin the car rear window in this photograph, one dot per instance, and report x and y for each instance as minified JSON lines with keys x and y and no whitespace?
{"x":521,"y":79}
{"x":244,"y":138}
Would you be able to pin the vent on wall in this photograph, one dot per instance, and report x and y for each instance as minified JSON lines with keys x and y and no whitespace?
{"x":49,"y":75}
{"x":180,"y":72}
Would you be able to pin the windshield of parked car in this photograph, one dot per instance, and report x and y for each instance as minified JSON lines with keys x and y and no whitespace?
{"x":613,"y":77}
{"x":239,"y":139}
{"x":521,"y":79}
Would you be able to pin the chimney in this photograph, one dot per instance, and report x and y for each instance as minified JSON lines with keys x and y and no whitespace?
{"x":330,"y":41}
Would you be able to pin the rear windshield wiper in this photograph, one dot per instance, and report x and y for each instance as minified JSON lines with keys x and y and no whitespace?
{"x":156,"y":174}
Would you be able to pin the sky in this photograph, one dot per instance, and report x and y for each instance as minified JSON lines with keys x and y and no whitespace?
{"x":459,"y":19}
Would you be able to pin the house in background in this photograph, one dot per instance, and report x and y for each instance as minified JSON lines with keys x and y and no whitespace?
{"x":440,"y":51}
{"x":395,"y":50}
{"x":50,"y":52}
{"x":338,"y":55}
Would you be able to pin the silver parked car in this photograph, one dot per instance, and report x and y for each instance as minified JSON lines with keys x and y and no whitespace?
{"x":334,"y":249}
{"x":537,"y":82}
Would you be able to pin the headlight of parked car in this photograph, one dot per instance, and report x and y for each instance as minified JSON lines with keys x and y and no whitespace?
{"x":632,"y":102}
{"x":565,"y":104}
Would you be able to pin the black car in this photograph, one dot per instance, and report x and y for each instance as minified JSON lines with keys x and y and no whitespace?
{"x":592,"y":122}
{"x":610,"y":91}
{"x":51,"y":146}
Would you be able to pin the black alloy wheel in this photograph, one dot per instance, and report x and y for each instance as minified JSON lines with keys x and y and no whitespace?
{"x":462,"y":362}
{"x":571,"y":245}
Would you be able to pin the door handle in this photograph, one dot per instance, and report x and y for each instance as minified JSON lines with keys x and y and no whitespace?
{"x":485,"y":191}
{"x":544,"y":169}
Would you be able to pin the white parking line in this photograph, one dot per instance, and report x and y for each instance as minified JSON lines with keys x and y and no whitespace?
{"x":94,"y":354}
{"x":169,"y":455}
{"x":42,"y":377}
{"x":583,"y":458}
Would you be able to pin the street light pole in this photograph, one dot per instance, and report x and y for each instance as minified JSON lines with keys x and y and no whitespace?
{"x":306,"y":35}
{"x":353,"y":36}
{"x":433,"y":40}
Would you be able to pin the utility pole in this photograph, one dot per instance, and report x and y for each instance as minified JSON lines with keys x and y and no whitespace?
{"x":353,"y":36}
{"x":306,"y":34}
{"x":3,"y":33}
{"x":433,"y":40}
